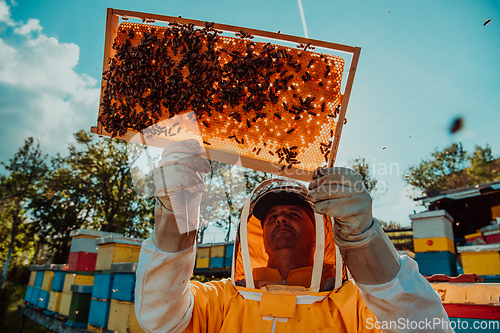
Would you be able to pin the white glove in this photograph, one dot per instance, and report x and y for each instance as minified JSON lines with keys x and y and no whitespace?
{"x":179,"y":183}
{"x":340,"y":193}
{"x":365,"y":248}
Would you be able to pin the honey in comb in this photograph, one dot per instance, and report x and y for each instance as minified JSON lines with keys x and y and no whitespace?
{"x":256,"y":99}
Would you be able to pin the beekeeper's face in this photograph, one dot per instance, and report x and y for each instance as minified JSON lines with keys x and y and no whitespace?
{"x":289,"y":226}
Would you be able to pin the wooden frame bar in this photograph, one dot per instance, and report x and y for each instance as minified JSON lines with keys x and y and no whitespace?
{"x":112,"y":21}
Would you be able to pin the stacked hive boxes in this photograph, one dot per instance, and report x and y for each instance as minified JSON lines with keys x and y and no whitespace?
{"x":434,"y":243}
{"x":56,"y":288}
{"x":111,"y":304}
{"x":203,"y":256}
{"x":217,"y":256}
{"x":83,"y":250}
{"x":34,"y":284}
{"x":81,"y":266}
{"x":122,"y":313}
{"x":214,"y":256}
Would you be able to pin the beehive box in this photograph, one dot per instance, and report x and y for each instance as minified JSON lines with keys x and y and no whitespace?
{"x":442,"y":262}
{"x":65,"y":303}
{"x":80,"y":305}
{"x":98,"y":315}
{"x":432,"y":224}
{"x":122,"y":317}
{"x":472,"y":237}
{"x":492,"y":236}
{"x":58,"y":281}
{"x":47,"y":280}
{"x":54,"y":301}
{"x":77,"y":278}
{"x":117,"y":249}
{"x":103,"y":284}
{"x":82,"y":261}
{"x":433,"y":244}
{"x":43,"y":299}
{"x":39,"y":279}
{"x":123,"y":281}
{"x":480,"y":259}
{"x":270,"y":107}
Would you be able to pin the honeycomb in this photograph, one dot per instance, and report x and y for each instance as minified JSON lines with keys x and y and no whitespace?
{"x":265,"y":101}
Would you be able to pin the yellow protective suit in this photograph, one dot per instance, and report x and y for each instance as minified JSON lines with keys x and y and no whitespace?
{"x":312,"y":299}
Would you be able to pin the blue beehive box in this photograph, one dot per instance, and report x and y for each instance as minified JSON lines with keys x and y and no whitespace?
{"x":58,"y":281}
{"x":440,"y":262}
{"x":103,"y":284}
{"x":43,"y":299}
{"x":27,"y":296}
{"x":99,"y":313}
{"x":39,"y":279}
{"x":123,"y":287}
{"x":34,"y":296}
{"x":217,"y":262}
{"x":228,"y":262}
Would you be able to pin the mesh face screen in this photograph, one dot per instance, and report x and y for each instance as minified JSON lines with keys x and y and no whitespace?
{"x":264,"y":101}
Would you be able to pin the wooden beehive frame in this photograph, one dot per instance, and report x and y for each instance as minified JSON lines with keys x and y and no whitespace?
{"x":112,"y":23}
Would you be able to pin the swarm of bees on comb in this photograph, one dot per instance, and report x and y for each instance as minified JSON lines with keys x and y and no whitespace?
{"x":266,"y":101}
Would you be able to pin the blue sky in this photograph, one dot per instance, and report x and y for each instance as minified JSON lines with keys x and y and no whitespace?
{"x":422,"y":64}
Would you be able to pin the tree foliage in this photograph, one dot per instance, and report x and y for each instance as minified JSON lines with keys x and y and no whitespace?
{"x":26,"y":170}
{"x":453,"y":167}
{"x":228,"y":187}
{"x":360,"y":166}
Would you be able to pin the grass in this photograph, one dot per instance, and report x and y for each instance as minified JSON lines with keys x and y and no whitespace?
{"x":10,"y":318}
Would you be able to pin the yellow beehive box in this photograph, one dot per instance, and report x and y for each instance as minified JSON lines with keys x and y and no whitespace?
{"x":202,"y":262}
{"x":122,"y":317}
{"x":433,"y":244}
{"x":203,"y":252}
{"x":54,"y":301}
{"x":76,"y":278}
{"x":480,"y":259}
{"x":217,"y":251}
{"x":65,"y":303}
{"x":31,"y":282}
{"x":47,"y":280}
{"x":113,"y":249}
{"x":92,"y":328}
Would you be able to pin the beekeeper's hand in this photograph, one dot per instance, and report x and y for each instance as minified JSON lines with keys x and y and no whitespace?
{"x":340,"y":193}
{"x":178,"y":188}
{"x":367,"y":251}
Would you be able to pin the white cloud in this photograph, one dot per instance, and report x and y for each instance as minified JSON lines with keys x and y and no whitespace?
{"x":32,"y":25}
{"x":41,"y":95}
{"x":5,"y":13}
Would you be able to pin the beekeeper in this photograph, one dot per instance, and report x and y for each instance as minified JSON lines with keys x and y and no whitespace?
{"x":287,"y":273}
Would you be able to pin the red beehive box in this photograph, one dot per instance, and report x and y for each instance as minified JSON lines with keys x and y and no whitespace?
{"x":82,"y":261}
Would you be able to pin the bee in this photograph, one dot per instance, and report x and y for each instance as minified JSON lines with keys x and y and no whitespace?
{"x":270,"y":152}
{"x":311,"y":113}
{"x":258,"y":151}
{"x":206,"y":124}
{"x":345,"y":121}
{"x":231,"y":136}
{"x":277,"y":115}
{"x":249,"y":124}
{"x":310,"y":63}
{"x":207,"y":143}
{"x":290,"y":130}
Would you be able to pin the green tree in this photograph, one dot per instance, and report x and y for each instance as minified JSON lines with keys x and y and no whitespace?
{"x":228,"y":187}
{"x":360,"y":166}
{"x":101,"y":173}
{"x":26,"y":170}
{"x":451,"y":168}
